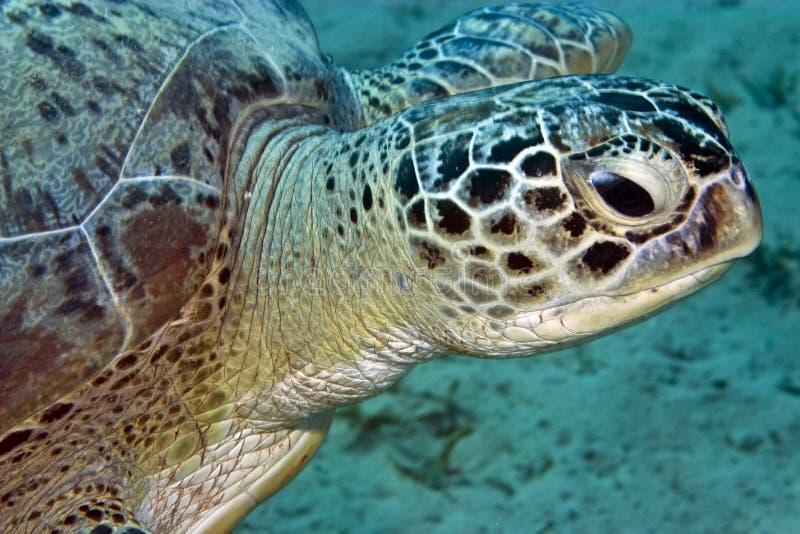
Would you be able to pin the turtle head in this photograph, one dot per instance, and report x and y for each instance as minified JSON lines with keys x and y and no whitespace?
{"x":553,"y":211}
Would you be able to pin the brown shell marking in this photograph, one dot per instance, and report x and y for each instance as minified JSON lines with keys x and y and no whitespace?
{"x":114,"y":152}
{"x":154,"y":239}
{"x":57,"y":320}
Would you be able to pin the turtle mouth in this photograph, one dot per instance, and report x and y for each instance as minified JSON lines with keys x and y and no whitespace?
{"x":589,"y":317}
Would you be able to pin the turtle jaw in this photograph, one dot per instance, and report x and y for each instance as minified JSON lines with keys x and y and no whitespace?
{"x":574,"y":323}
{"x":591,"y":317}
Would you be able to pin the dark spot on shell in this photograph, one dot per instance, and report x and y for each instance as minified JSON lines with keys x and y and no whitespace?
{"x":55,"y":412}
{"x":126,"y":362}
{"x":132,"y":197}
{"x":62,"y":104}
{"x":14,"y":439}
{"x":449,"y":312}
{"x":538,"y":165}
{"x":103,"y":85}
{"x":224,"y":275}
{"x":452,"y":218}
{"x":48,"y":111}
{"x":61,"y":56}
{"x":49,"y":10}
{"x":416,"y":214}
{"x":402,"y":141}
{"x":330,"y":183}
{"x":519,"y":262}
{"x":39,"y":43}
{"x":37,"y":81}
{"x":130,"y":43}
{"x":507,"y":224}
{"x":574,"y":224}
{"x":431,"y":254}
{"x":163,"y":196}
{"x":353,"y":216}
{"x":17,"y":17}
{"x":405,"y":181}
{"x":95,"y":515}
{"x":454,"y":160}
{"x":75,"y":283}
{"x":604,"y":256}
{"x":545,"y":198}
{"x":487,"y":186}
{"x":70,"y":306}
{"x":158,"y":353}
{"x":366,"y":198}
{"x":207,"y":290}
{"x":505,"y":151}
{"x":479,"y":251}
{"x":181,"y":157}
{"x":81,"y":10}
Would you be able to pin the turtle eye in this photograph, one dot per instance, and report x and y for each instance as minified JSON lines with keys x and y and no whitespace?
{"x":624,"y":196}
{"x":638,"y":184}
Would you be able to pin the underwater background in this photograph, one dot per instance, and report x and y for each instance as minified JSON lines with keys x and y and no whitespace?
{"x":689,"y":422}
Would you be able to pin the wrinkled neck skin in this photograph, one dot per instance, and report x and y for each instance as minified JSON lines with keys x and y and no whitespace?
{"x":324,"y":312}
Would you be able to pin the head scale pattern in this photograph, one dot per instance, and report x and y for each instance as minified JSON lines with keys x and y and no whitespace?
{"x":537,"y":197}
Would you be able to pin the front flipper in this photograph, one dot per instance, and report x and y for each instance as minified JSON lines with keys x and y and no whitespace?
{"x":493,"y":46}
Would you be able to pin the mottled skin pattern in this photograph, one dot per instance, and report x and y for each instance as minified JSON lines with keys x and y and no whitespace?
{"x":493,"y":46}
{"x":202,"y":254}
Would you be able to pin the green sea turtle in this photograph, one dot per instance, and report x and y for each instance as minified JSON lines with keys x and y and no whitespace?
{"x":211,"y":236}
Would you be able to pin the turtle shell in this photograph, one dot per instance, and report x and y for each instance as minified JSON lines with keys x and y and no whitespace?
{"x":116,"y":121}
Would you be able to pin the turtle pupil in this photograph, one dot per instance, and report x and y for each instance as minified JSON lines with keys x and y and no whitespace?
{"x":624,"y":196}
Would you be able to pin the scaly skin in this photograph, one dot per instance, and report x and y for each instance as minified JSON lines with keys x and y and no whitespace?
{"x":494,"y":46}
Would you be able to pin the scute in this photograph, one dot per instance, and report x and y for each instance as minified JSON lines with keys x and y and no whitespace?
{"x":58,"y":320}
{"x":117,"y":119}
{"x":153,"y":241}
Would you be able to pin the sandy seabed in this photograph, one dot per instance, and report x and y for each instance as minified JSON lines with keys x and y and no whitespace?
{"x":689,"y":422}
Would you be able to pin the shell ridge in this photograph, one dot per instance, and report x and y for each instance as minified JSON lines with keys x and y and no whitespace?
{"x":239,"y":10}
{"x":165,"y":83}
{"x":124,"y":311}
{"x":23,"y":237}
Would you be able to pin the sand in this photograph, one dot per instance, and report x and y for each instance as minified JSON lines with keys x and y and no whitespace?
{"x":689,"y":422}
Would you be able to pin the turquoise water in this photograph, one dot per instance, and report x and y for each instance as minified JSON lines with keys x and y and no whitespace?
{"x":689,"y":422}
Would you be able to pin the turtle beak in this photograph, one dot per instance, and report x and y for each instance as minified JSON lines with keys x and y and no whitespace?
{"x":728,"y":221}
{"x":753,"y":211}
{"x":724,"y":224}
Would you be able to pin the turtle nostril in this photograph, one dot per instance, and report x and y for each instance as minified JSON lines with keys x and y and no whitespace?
{"x":623,"y":195}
